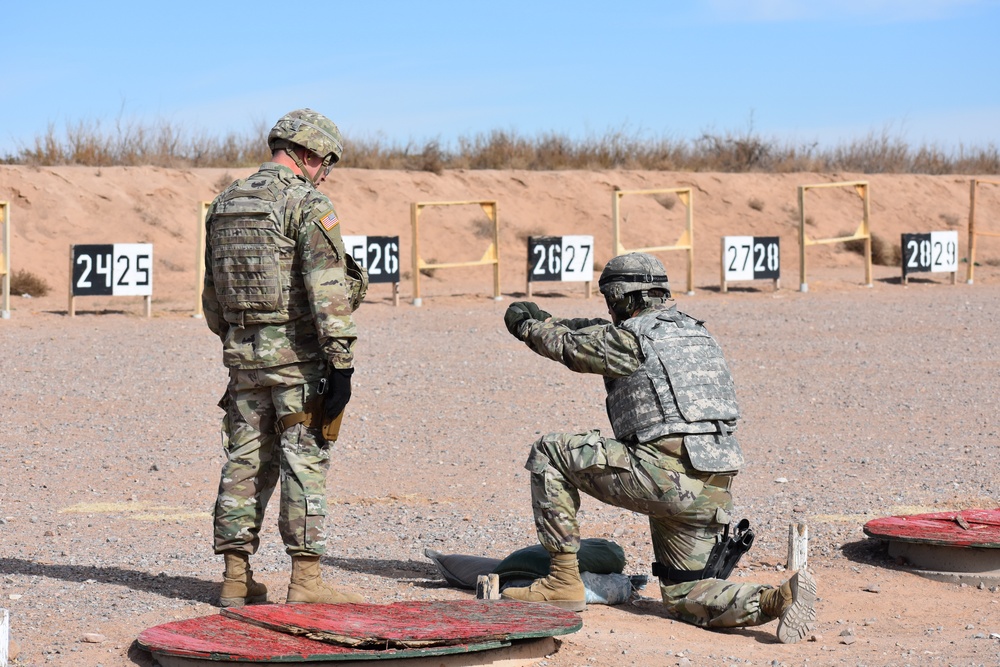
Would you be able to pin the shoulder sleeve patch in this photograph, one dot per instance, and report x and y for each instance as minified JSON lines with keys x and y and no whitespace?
{"x":329,"y":221}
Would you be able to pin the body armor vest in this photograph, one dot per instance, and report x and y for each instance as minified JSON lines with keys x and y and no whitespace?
{"x":683,"y":387}
{"x":254,"y":263}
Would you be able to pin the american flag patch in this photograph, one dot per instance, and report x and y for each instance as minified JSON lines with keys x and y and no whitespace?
{"x":329,"y":221}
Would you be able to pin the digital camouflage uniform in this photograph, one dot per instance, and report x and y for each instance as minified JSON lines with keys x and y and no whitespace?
{"x":278,"y":295}
{"x":687,"y":509}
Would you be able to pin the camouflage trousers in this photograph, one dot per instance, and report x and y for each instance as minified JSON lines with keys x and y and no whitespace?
{"x":687,"y":510}
{"x":257,"y":458}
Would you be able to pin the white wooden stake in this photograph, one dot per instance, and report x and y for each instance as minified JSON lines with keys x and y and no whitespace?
{"x":798,"y":546}
{"x":4,"y":636}
{"x":487,"y":587}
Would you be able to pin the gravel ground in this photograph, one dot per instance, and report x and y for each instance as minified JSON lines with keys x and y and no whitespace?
{"x":858,"y":403}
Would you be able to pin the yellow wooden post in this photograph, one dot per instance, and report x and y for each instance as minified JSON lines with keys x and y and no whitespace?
{"x":688,"y":200}
{"x":5,"y":261}
{"x":415,"y":254}
{"x":616,"y":244}
{"x":972,"y":232}
{"x":71,"y":308}
{"x":803,"y":285}
{"x":863,"y":190}
{"x":723,"y":285}
{"x":495,"y":208}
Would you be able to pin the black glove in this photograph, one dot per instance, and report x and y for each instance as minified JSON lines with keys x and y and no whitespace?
{"x":536,"y":312}
{"x":517,"y":313}
{"x":337,"y":392}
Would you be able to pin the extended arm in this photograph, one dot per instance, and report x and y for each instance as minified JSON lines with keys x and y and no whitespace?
{"x":582,"y":345}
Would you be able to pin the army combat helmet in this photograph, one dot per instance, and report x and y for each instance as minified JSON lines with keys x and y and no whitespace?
{"x":633,"y":282}
{"x":311,"y":130}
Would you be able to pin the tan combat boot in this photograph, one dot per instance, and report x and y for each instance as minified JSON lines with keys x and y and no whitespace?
{"x":794,"y":602}
{"x":238,"y":586}
{"x":563,"y":587}
{"x":307,"y":584}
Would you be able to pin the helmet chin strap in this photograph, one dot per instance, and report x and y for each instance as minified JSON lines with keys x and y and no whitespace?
{"x":302,"y":166}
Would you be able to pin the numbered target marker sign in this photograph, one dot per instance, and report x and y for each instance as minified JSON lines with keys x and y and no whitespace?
{"x":111,"y":269}
{"x":379,"y":255}
{"x":750,"y":258}
{"x":935,"y":252}
{"x":561,"y":259}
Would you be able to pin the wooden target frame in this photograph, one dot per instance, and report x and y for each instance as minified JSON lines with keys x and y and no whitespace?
{"x":490,"y":257}
{"x":686,"y":240}
{"x":5,"y":260}
{"x":863,"y":231}
{"x":973,"y":186}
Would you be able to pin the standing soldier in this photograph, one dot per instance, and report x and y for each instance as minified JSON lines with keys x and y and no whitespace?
{"x":279,"y":292}
{"x":672,"y":405}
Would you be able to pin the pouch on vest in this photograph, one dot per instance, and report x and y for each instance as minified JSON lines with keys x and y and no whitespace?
{"x":357,"y":281}
{"x":711,"y":452}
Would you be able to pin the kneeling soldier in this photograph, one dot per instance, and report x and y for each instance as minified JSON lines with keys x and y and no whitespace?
{"x":672,"y":405}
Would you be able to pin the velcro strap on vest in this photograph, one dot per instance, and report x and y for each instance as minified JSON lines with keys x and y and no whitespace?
{"x":312,"y":417}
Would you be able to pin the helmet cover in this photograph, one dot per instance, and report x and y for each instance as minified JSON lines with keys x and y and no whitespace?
{"x":633,"y":272}
{"x":311,"y":130}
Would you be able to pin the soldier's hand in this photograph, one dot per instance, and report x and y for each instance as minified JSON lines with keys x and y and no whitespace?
{"x":536,"y":312}
{"x":517,"y":314}
{"x":338,"y":392}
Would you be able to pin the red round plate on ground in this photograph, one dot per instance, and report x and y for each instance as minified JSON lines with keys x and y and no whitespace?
{"x":317,"y":632}
{"x":967,"y":528}
{"x":412,"y":624}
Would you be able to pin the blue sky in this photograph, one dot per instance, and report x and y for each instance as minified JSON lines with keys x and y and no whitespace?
{"x":828,"y":71}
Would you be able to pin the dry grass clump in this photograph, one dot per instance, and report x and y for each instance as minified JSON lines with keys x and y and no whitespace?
{"x":482,"y":228}
{"x":884,"y":253}
{"x":756,"y":203}
{"x":950,"y":219}
{"x":167,"y":145}
{"x":666,"y":201}
{"x":134,"y":144}
{"x":23,"y":281}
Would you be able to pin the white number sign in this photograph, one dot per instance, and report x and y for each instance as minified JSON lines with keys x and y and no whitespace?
{"x":115,"y":269}
{"x":751,"y":258}
{"x":379,"y":255}
{"x":565,"y":258}
{"x":933,"y":251}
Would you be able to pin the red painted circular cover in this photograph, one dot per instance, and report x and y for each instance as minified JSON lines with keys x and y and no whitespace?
{"x":308,"y":632}
{"x":967,"y":528}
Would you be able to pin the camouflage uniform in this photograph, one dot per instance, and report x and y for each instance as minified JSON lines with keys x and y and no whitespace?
{"x":687,"y":509}
{"x":281,"y":330}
